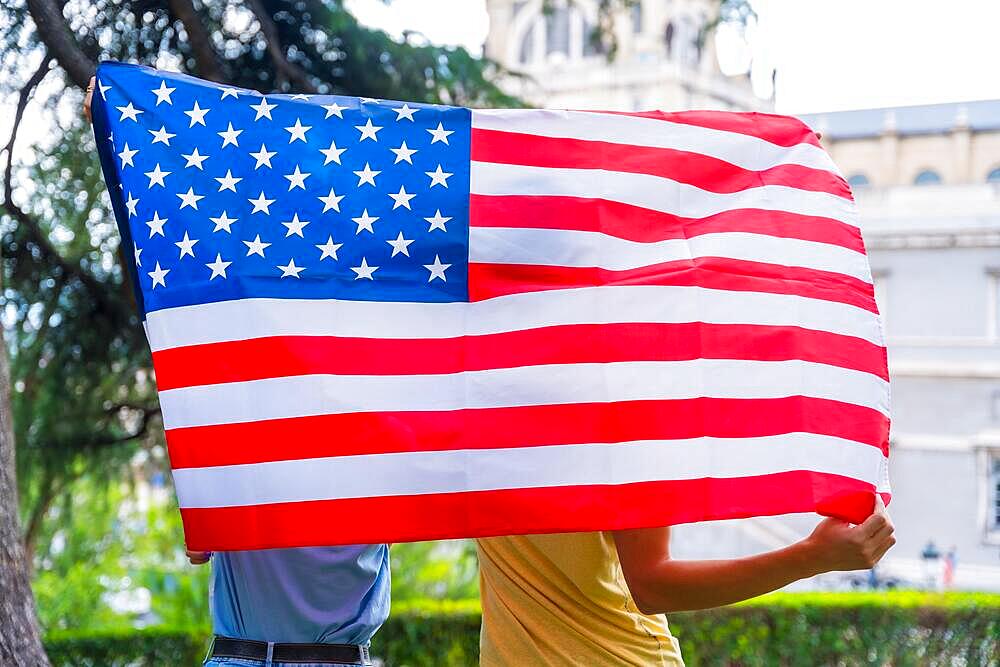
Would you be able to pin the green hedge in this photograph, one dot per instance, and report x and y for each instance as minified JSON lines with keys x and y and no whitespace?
{"x":898,"y":629}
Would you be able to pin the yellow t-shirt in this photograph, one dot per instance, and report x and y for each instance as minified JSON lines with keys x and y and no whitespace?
{"x":563,"y":600}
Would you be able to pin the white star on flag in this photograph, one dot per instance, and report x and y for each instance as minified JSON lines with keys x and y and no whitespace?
{"x":298,"y":131}
{"x":328,"y":249}
{"x":333,"y":110}
{"x":263,"y":157}
{"x":130,"y":204}
{"x":161,"y":136}
{"x":400,"y":245}
{"x":440,"y":134}
{"x":189,"y":198}
{"x":156,"y":176}
{"x":260,"y":204}
{"x":331,"y":201}
{"x":223,"y":222}
{"x":163,"y":93}
{"x":130,"y":112}
{"x":228,"y":182}
{"x":197,"y":115}
{"x":295,"y":226}
{"x":401,"y":198}
{"x":332,"y":153}
{"x":263,"y":109}
{"x":194,"y":159}
{"x":366,"y":175}
{"x":297,"y":179}
{"x":158,"y":275}
{"x":439,"y":177}
{"x":229,"y":136}
{"x":126,"y":155}
{"x":437,"y":221}
{"x":403,"y":153}
{"x":365,"y":222}
{"x":186,"y":245}
{"x":230,"y":92}
{"x":156,"y":224}
{"x":364,"y":271}
{"x":256,"y":247}
{"x":437,"y":269}
{"x":368,"y":131}
{"x":290,"y":270}
{"x":406,"y":112}
{"x":218,"y":267}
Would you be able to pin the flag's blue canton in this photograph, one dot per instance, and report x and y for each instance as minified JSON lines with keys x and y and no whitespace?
{"x":232,"y":194}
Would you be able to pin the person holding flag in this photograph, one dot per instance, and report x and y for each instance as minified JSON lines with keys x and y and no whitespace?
{"x":302,"y":606}
{"x":599,"y":598}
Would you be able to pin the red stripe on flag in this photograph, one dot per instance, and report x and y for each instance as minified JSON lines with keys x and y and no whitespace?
{"x":644,"y":225}
{"x":780,"y":130}
{"x":526,"y":426}
{"x":536,"y":510}
{"x":280,"y":356}
{"x":702,"y":171}
{"x":487,"y":281}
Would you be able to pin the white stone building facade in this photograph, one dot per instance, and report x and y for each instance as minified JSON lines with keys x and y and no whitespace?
{"x":664,"y":58}
{"x":927,"y":182}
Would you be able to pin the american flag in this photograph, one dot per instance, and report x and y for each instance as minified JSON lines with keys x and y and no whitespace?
{"x":383,"y":321}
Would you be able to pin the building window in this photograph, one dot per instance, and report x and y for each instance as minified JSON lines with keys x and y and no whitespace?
{"x":592,"y":40}
{"x":993,"y":488}
{"x":927,"y":177}
{"x":858,"y":181}
{"x":993,"y":176}
{"x":557,"y":32}
{"x":993,"y":305}
{"x":637,"y":18}
{"x":527,"y":52}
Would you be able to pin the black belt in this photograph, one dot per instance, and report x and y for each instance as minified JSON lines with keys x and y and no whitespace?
{"x":248,"y":649}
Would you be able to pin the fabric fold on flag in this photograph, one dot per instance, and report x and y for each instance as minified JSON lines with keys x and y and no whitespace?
{"x":381,"y":321}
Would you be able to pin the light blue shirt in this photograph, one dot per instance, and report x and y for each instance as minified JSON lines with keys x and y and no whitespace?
{"x":332,"y":595}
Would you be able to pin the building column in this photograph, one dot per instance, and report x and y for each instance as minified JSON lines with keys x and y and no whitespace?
{"x":890,"y":150}
{"x":962,"y":139}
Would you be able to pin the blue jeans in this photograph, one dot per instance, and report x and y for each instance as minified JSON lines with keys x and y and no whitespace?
{"x":243,"y":662}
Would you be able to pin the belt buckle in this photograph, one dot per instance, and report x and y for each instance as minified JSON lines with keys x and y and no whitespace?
{"x":365,"y":656}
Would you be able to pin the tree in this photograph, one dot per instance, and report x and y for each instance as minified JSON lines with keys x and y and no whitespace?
{"x":20,"y":642}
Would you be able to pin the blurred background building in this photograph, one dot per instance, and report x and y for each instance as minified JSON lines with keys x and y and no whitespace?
{"x":927,"y":183}
{"x":664,"y":57}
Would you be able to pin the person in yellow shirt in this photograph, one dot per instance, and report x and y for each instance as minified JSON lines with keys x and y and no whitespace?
{"x":597,"y":599}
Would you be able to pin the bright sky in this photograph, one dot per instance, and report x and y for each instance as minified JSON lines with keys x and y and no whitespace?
{"x":830,"y":54}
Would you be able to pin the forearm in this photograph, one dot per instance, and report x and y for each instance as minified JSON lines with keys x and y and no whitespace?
{"x":672,"y":585}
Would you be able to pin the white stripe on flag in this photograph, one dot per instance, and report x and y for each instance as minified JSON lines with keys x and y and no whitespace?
{"x":653,"y":192}
{"x":457,"y":471}
{"x":743,"y":150}
{"x":308,"y":395}
{"x":256,"y":318}
{"x":561,"y":247}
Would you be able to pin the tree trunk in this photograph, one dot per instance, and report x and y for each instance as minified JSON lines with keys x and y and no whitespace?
{"x":20,"y":640}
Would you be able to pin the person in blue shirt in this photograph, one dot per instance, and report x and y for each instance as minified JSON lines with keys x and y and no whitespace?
{"x":290,"y":606}
{"x":294,"y":607}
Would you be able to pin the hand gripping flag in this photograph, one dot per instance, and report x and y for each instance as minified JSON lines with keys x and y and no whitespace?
{"x":382,"y":321}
